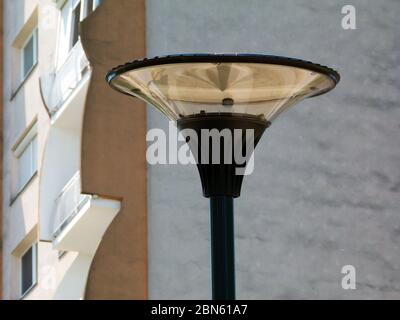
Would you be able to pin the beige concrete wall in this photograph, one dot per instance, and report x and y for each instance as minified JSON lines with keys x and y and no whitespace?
{"x":113,"y":151}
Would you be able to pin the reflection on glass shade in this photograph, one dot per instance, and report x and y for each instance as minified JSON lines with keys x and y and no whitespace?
{"x":247,"y":84}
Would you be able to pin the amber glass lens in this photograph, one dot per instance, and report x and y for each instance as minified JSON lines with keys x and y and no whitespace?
{"x":260,"y":89}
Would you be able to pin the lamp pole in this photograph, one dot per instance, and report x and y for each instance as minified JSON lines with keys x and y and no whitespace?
{"x":222,"y":247}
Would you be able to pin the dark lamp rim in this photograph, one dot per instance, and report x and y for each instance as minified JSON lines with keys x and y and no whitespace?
{"x":222,"y":58}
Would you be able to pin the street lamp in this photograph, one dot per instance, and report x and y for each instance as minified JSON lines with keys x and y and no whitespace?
{"x":230,"y":93}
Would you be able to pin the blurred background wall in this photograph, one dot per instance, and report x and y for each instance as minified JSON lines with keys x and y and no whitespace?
{"x":325,"y":192}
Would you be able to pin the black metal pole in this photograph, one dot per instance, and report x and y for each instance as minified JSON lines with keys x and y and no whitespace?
{"x":222,"y":248}
{"x":221,"y":182}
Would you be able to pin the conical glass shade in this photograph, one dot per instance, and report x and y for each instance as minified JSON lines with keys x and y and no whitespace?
{"x":257,"y":85}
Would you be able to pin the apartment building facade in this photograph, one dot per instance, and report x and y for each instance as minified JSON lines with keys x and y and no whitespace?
{"x":53,"y":220}
{"x":85,"y":217}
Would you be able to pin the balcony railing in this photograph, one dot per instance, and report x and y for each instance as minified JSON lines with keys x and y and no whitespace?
{"x":59,"y":84}
{"x":68,"y":204}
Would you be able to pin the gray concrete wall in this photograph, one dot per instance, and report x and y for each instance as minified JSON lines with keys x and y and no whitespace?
{"x":326,"y":188}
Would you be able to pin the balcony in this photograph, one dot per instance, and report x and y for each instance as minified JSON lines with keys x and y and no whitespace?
{"x":81,"y":220}
{"x":58,"y":85}
{"x":70,"y":220}
{"x":68,"y":204}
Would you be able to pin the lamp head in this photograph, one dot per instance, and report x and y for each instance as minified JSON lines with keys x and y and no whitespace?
{"x":190,"y":84}
{"x":222,"y":91}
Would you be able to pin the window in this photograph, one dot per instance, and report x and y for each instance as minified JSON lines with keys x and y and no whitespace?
{"x":96,"y":3}
{"x":76,"y":18}
{"x":69,"y":29}
{"x":29,"y":54}
{"x":72,"y":13}
{"x":26,"y":158}
{"x":24,"y":53}
{"x":91,"y":5}
{"x":28,"y":269}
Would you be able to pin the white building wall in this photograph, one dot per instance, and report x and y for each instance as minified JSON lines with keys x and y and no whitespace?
{"x":23,"y":105}
{"x":21,"y":108}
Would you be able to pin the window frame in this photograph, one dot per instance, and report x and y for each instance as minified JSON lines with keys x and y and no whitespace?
{"x":88,"y":9}
{"x":34,"y":247}
{"x":72,"y":26}
{"x":33,"y":35}
{"x":61,"y":56}
{"x":23,"y":143}
{"x":84,"y":12}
